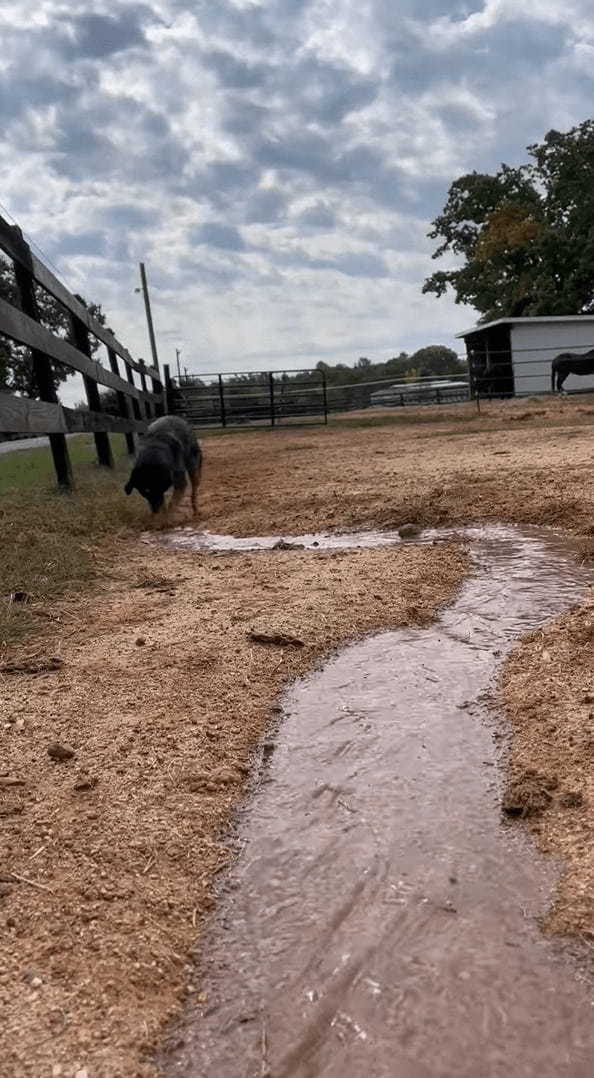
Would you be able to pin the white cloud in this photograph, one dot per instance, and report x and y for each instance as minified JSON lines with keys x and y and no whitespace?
{"x":276,"y":164}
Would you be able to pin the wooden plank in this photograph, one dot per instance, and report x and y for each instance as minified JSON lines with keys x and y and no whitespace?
{"x":14,"y":245}
{"x":25,"y":330}
{"x":19,"y":415}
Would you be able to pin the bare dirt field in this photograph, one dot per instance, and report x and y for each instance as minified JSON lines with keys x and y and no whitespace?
{"x":152,"y":689}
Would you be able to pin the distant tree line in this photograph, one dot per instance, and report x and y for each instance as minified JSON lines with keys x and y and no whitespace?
{"x":435,"y":361}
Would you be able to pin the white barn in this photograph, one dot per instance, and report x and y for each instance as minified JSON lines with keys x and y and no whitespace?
{"x":515,"y":354}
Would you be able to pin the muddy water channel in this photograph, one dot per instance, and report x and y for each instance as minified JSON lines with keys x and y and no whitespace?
{"x":380,"y":919}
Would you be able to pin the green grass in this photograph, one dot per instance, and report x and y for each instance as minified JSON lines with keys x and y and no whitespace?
{"x":48,"y":536}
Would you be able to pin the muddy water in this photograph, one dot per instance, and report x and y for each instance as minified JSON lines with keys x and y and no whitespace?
{"x":191,"y":539}
{"x":380,"y":920}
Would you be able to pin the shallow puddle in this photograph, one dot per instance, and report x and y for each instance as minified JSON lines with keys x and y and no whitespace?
{"x":380,"y":920}
{"x":208,"y":543}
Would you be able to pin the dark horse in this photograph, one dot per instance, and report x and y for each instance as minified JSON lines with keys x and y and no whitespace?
{"x":570,"y":363}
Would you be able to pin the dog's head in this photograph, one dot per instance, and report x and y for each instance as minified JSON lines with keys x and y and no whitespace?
{"x":151,"y":477}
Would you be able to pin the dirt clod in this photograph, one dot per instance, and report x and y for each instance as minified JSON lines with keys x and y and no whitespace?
{"x":278,"y":639}
{"x":86,"y":782}
{"x":32,"y":666}
{"x":527,"y":795}
{"x":571,"y":799}
{"x":56,"y":751}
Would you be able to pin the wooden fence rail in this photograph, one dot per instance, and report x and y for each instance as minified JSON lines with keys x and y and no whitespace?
{"x":137,"y":405}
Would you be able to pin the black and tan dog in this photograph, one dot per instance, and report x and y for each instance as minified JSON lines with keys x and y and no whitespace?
{"x":169,"y":450}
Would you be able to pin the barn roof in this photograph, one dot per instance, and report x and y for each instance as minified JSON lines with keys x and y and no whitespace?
{"x":526,"y":322}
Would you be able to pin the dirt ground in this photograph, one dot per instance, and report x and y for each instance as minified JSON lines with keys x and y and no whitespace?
{"x":548,"y":694}
{"x":156,"y":689}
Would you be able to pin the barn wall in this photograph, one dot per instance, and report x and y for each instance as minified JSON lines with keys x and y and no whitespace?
{"x":535,"y":346}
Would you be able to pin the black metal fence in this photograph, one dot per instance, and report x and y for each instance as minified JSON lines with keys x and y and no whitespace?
{"x":271,"y":398}
{"x":276,"y":398}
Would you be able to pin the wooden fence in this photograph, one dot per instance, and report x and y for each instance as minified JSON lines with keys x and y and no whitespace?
{"x":137,"y":405}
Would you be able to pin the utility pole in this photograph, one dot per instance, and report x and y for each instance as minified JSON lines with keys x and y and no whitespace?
{"x":149,"y":317}
{"x":177,"y":355}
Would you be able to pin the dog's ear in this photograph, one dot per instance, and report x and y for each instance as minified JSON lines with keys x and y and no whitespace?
{"x":129,"y":485}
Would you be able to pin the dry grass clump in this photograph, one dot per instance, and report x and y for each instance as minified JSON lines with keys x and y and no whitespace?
{"x":49,"y":538}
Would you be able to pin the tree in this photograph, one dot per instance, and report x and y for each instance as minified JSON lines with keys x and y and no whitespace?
{"x":16,"y":369}
{"x":436,"y":360}
{"x":526,"y":234}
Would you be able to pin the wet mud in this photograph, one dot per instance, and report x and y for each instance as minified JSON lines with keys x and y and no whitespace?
{"x":381,"y":919}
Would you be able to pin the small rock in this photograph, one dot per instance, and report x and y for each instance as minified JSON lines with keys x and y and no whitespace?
{"x":82,"y":1073}
{"x":409,"y":531}
{"x":60,"y":752}
{"x":32,"y":977}
{"x":140,"y":642}
{"x":283,"y":544}
{"x":571,"y":800}
{"x":86,"y":782}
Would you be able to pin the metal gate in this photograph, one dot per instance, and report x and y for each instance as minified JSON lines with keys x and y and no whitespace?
{"x":253,"y":398}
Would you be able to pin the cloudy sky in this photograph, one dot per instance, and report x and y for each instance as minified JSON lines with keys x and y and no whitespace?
{"x":276,"y":163}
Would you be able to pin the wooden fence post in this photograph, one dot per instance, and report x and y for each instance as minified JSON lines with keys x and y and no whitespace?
{"x":160,"y":405}
{"x":42,"y":369}
{"x":167,"y":388}
{"x":135,"y":401}
{"x":80,"y":335}
{"x":123,"y":406}
{"x":147,"y":404}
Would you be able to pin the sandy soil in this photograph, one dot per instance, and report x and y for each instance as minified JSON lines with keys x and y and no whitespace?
{"x":161,"y":697}
{"x":108,"y":857}
{"x":547,"y":689}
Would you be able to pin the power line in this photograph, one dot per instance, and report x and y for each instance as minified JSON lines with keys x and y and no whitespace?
{"x":38,"y":248}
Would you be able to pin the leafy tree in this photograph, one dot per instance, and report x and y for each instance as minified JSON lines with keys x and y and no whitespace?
{"x":436,"y":360}
{"x":16,"y":369}
{"x":525,"y":235}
